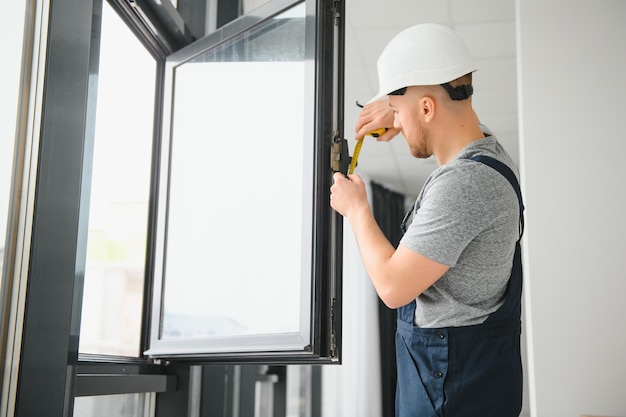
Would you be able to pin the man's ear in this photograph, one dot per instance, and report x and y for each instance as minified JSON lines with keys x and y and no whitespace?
{"x":428,"y":107}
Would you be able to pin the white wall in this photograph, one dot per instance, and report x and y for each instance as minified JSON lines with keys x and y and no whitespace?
{"x":572,"y":68}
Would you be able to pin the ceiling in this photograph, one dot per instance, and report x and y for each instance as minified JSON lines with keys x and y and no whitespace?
{"x":488,"y":28}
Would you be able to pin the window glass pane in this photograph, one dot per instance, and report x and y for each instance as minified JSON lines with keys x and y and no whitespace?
{"x":118,"y":215}
{"x":126,"y":405}
{"x":220,"y":218}
{"x":12,"y":23}
{"x":234,"y":263}
{"x":249,"y":5}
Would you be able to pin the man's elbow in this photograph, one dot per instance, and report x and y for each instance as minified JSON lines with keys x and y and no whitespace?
{"x":394,"y":299}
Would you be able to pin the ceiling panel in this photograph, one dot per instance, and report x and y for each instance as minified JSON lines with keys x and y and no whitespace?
{"x":391,"y":14}
{"x":481,"y":10}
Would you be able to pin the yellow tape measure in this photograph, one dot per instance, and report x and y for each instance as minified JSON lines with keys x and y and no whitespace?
{"x":357,"y":148}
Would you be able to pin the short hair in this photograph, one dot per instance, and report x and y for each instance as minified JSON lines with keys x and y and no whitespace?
{"x":462,"y":80}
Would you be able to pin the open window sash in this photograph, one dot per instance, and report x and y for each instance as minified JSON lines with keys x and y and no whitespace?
{"x":247,"y":262}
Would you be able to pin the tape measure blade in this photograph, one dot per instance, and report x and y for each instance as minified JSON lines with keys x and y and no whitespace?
{"x":355,"y":156}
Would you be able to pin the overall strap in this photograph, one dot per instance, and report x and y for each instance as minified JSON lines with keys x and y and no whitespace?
{"x":511,"y":308}
{"x":510,"y":176}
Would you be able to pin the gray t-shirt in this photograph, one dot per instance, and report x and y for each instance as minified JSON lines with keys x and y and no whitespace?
{"x":467,"y":217}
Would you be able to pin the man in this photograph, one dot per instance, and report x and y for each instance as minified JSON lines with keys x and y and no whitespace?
{"x":456,"y":274}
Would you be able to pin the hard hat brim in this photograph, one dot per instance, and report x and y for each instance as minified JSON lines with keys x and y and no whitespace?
{"x":407,"y":80}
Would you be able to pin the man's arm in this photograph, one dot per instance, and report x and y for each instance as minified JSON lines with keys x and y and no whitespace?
{"x":399,"y":275}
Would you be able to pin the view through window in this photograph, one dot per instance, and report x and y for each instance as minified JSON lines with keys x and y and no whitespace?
{"x":125,"y":405}
{"x":118,"y":214}
{"x":12,"y":21}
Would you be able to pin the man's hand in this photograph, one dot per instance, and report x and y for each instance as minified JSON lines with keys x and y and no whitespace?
{"x":348,"y":195}
{"x":374,"y":116}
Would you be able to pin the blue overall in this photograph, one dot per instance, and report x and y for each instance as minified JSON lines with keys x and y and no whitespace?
{"x":472,"y":371}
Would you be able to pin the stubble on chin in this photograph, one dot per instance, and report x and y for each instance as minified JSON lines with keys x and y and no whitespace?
{"x":420,"y":148}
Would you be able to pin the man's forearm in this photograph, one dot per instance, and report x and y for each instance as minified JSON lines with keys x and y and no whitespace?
{"x":375,"y":250}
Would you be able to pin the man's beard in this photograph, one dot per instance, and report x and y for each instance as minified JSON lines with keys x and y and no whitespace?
{"x":420,"y":149}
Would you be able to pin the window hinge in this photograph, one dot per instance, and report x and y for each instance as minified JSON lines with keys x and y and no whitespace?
{"x":339,"y":156}
{"x":336,"y":10}
{"x":333,"y":330}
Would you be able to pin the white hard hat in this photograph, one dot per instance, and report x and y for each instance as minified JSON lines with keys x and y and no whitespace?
{"x":425,"y":54}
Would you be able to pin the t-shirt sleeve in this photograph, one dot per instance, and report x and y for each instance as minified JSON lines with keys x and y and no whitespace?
{"x":452,"y":212}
